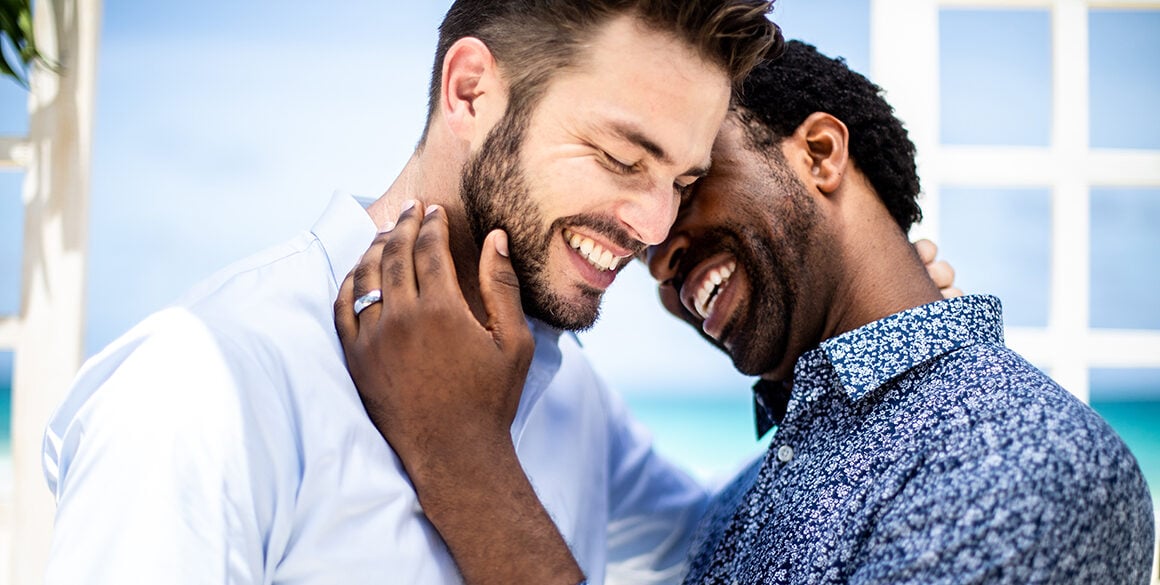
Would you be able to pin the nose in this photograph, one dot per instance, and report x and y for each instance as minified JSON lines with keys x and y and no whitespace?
{"x":651,"y":214}
{"x":664,"y":259}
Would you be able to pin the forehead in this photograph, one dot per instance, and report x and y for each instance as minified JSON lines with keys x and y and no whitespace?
{"x":734,"y":157}
{"x":631,"y":76}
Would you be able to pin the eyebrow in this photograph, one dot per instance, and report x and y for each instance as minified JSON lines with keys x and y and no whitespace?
{"x":633,"y":134}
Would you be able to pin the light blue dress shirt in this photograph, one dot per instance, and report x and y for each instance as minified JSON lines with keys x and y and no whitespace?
{"x":222,"y":441}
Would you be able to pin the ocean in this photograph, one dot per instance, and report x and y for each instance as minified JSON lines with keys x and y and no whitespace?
{"x":712,"y":436}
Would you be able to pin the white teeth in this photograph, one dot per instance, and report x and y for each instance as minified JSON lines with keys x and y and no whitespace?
{"x":705,"y":299}
{"x":596,"y":254}
{"x":605,"y":260}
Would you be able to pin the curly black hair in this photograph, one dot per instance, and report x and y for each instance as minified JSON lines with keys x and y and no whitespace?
{"x":782,"y":92}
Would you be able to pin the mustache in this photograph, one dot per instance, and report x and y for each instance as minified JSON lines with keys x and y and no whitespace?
{"x":606,"y":227}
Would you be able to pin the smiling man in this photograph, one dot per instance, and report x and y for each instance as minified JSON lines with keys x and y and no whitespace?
{"x":911,"y":445}
{"x":222,"y":439}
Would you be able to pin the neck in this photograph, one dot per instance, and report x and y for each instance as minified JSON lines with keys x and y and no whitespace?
{"x":877,"y":273}
{"x":429,"y":179}
{"x":882,"y":274}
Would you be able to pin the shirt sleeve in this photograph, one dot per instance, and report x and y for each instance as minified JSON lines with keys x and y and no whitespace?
{"x":158,"y":467}
{"x":656,"y":506}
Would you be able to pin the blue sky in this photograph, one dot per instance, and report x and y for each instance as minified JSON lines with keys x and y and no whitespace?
{"x":223,"y":127}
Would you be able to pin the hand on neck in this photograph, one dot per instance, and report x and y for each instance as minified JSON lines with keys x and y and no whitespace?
{"x":431,"y":180}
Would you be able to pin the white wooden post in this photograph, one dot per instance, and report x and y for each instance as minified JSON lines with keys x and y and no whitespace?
{"x":904,"y":62}
{"x":1069,"y":308}
{"x":51,"y":324}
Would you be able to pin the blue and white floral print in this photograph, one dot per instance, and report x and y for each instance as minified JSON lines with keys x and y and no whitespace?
{"x":919,"y":449}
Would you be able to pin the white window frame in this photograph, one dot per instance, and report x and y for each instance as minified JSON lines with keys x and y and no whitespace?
{"x":904,"y":53}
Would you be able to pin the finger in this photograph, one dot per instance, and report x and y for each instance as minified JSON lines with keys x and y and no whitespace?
{"x":950,"y":293}
{"x":345,"y":321}
{"x":500,"y":289}
{"x":434,"y":268}
{"x":365,"y":276}
{"x":941,"y":273}
{"x":397,"y":262}
{"x":927,"y":250}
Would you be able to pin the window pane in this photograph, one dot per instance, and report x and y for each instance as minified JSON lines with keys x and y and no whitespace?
{"x":995,"y":77}
{"x":11,"y":241}
{"x":13,"y":108}
{"x":1125,"y":266}
{"x":838,"y":28}
{"x":1125,"y":78}
{"x":999,"y":241}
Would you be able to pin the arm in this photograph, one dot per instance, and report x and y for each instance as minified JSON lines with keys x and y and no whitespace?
{"x":454,"y":439}
{"x":152,"y":472}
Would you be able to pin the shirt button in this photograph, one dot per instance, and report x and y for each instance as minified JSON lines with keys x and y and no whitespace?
{"x":784,"y":453}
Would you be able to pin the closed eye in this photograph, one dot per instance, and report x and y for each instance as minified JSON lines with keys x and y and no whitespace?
{"x":685,"y":190}
{"x":618,"y":167}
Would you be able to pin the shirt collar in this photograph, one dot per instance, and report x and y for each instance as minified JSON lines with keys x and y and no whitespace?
{"x":872,"y":355}
{"x":345,"y":230}
{"x":862,"y":360}
{"x":545,"y":365}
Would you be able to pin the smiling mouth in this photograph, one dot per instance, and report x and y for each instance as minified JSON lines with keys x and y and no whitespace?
{"x":597,"y":255}
{"x":705,"y":298}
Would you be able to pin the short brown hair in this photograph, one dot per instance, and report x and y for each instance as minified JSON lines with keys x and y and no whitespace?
{"x":534,"y":39}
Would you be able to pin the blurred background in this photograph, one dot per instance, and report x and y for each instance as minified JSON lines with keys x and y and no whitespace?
{"x":223,"y":127}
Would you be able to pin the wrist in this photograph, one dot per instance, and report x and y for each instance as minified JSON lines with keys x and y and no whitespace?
{"x":456,"y":475}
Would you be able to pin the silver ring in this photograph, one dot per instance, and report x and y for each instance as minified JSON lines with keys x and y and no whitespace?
{"x":361,"y":303}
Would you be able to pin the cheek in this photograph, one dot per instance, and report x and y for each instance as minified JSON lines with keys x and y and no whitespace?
{"x":575,"y":186}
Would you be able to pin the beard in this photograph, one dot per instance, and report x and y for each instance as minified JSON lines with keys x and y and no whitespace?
{"x":779,"y":263}
{"x":495,"y":193}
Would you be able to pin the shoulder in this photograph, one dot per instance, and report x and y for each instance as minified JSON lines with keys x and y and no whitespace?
{"x":994,"y":402}
{"x":1018,"y":459}
{"x":203,"y":375}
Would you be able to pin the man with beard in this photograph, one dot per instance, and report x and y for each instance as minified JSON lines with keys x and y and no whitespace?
{"x":911,"y":445}
{"x":222,"y":439}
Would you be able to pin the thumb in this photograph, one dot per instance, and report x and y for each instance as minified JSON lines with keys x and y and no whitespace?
{"x":500,"y":288}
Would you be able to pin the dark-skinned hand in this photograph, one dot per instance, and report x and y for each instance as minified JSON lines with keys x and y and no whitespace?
{"x":443,"y":388}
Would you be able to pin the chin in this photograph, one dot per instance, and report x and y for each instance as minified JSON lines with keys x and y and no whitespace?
{"x":752,"y":357}
{"x":576,"y":314}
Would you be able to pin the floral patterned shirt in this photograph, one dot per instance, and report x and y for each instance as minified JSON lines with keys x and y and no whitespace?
{"x":919,"y":449}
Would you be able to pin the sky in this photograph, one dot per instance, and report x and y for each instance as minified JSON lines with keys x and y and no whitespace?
{"x":224,"y":127}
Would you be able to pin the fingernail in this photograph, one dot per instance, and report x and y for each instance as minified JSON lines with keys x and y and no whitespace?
{"x":501,"y":244}
{"x":408,"y":204}
{"x":431,"y":209}
{"x":390,"y":225}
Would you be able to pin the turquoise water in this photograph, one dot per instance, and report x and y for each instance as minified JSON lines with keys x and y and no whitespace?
{"x":712,"y":436}
{"x":1138,"y":423}
{"x":5,"y":419}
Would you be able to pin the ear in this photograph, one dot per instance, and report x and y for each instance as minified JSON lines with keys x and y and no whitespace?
{"x":826,"y":142}
{"x":473,"y":96}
